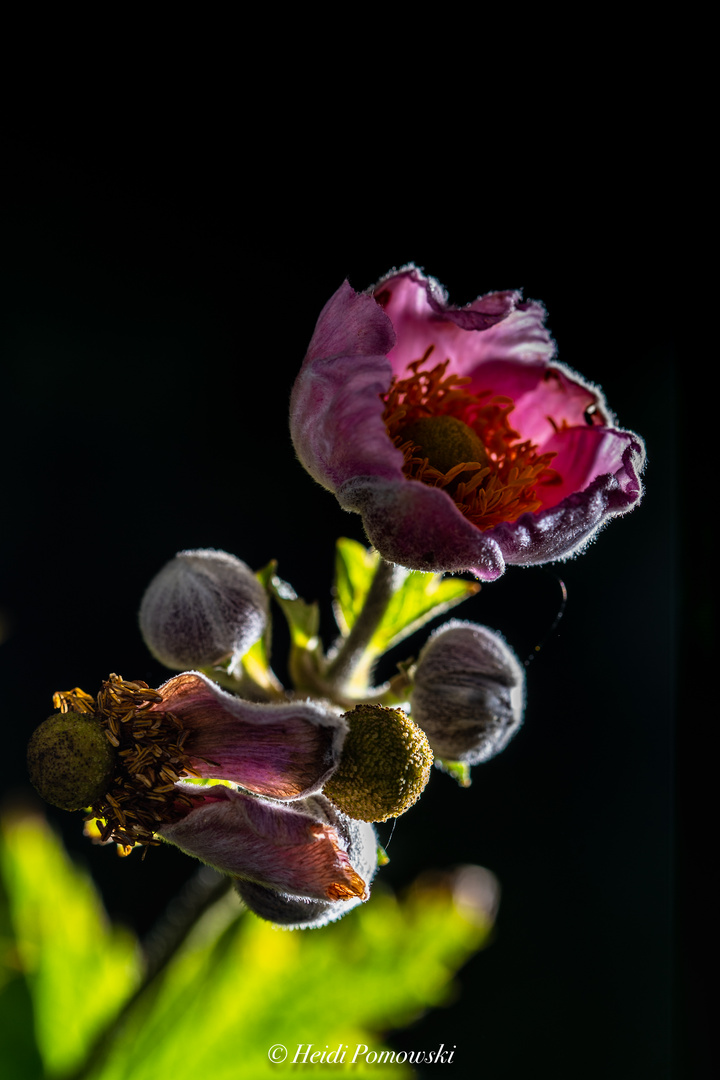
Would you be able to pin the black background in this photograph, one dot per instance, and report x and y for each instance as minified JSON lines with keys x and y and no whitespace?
{"x":156,"y":315}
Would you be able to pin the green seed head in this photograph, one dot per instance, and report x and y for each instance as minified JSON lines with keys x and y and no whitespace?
{"x":445,"y":441}
{"x":384,"y":767}
{"x":70,"y":760}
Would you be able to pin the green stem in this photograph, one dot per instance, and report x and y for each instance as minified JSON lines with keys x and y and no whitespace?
{"x":351,"y":652}
{"x":203,"y":890}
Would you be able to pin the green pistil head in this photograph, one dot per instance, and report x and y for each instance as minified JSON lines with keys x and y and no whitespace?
{"x":445,"y":441}
{"x":384,"y":767}
{"x":70,"y":760}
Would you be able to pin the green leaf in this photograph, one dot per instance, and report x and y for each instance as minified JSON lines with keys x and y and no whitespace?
{"x":303,"y":619}
{"x":240,"y":987}
{"x":78,"y":969}
{"x":418,"y":598}
{"x":355,"y":568}
{"x":459,"y":770}
{"x":236,"y":987}
{"x":18,"y":1050}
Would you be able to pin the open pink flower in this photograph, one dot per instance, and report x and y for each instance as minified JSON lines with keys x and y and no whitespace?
{"x":454,"y":433}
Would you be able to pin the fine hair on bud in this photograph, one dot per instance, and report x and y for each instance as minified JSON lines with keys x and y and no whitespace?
{"x":202,"y":608}
{"x":469,"y":692}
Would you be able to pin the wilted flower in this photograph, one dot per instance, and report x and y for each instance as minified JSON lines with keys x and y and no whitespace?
{"x":454,"y":433}
{"x":127,"y":751}
{"x":189,"y":727}
{"x":301,"y":864}
{"x":469,"y":692}
{"x":202,"y":608}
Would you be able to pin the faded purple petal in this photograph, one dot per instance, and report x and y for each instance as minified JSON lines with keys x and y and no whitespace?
{"x":501,"y":343}
{"x":299,"y":912}
{"x":301,"y":850}
{"x":285,"y":751}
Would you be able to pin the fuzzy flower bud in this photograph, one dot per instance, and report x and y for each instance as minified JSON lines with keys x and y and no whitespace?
{"x":202,"y":608}
{"x":469,"y":692}
{"x":70,"y":760}
{"x":384,"y":767}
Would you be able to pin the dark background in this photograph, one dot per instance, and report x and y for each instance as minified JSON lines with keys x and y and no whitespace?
{"x":153,"y":326}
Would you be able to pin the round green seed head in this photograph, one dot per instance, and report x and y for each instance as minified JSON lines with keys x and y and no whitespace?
{"x":70,"y":761}
{"x":445,"y":441}
{"x":384,"y":767}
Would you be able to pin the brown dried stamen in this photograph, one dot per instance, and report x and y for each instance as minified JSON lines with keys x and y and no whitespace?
{"x":149,"y":747}
{"x":431,"y":418}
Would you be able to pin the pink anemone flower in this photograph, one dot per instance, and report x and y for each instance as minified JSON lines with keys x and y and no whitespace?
{"x":453,"y":431}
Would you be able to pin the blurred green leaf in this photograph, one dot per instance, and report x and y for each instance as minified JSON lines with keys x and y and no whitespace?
{"x":236,"y":987}
{"x":18,"y":1050}
{"x":78,"y":968}
{"x":227,"y":999}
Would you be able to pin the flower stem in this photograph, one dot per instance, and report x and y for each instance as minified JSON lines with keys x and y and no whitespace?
{"x":203,"y":890}
{"x":350,"y":654}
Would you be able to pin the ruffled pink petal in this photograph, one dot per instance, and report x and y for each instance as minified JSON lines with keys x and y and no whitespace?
{"x":282,"y":751}
{"x":420,"y":527}
{"x":299,"y":850}
{"x":421,"y":316}
{"x":337,"y":393}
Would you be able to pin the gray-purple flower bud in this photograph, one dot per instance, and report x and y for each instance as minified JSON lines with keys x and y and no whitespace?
{"x":203,"y":607}
{"x":469,"y":692}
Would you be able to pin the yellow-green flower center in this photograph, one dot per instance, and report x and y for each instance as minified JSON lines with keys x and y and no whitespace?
{"x":385,"y":764}
{"x":445,"y":441}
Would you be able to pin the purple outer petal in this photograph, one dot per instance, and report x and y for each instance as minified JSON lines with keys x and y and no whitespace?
{"x":301,"y":913}
{"x":282,"y":751}
{"x":501,"y":343}
{"x":299,"y":850}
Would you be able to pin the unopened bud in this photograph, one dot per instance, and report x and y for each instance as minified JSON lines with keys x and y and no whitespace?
{"x":469,"y":692}
{"x":384,"y":767}
{"x":70,"y":760}
{"x":203,"y":607}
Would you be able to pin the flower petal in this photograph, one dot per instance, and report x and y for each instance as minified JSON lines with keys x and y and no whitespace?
{"x":283,"y":751}
{"x":300,"y":850}
{"x":338,"y":391}
{"x":300,"y":913}
{"x":420,"y":527}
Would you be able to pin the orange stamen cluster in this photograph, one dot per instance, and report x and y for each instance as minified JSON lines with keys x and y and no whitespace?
{"x":487,"y":493}
{"x":149,"y":746}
